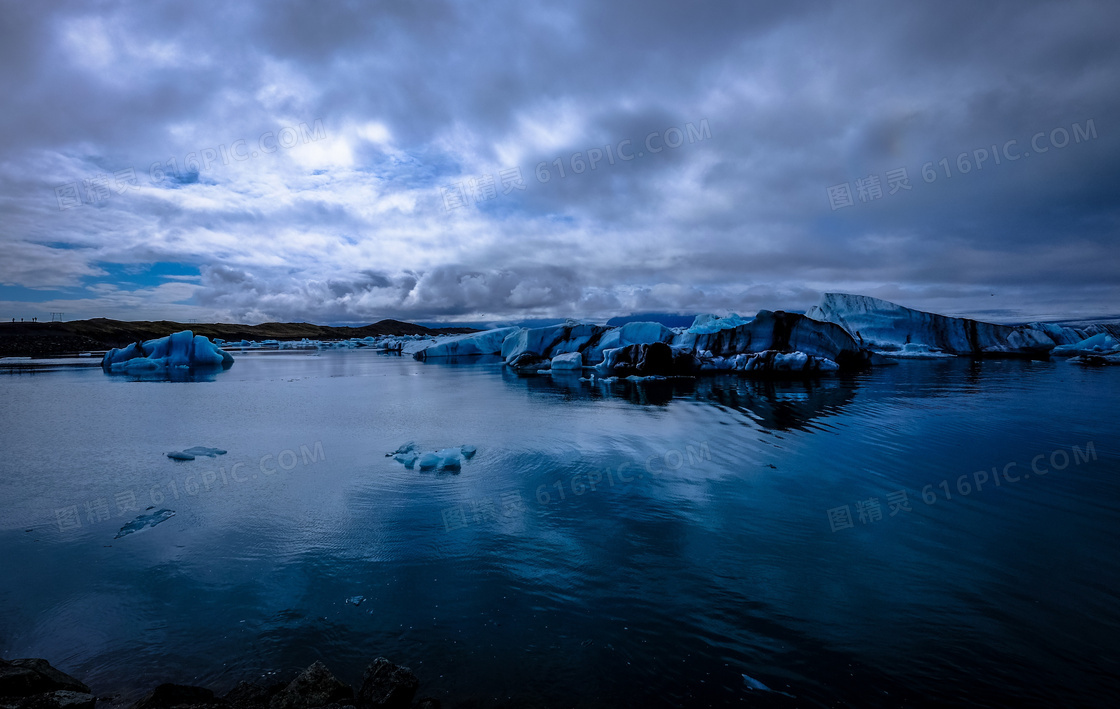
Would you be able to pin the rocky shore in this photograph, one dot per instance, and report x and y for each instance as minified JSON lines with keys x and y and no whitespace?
{"x":35,"y":684}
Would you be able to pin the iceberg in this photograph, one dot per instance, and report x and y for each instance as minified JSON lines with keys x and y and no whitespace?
{"x":887,"y":327}
{"x":196,"y":451}
{"x":782,"y":332}
{"x":913,"y":350}
{"x":1101,"y":344}
{"x":548,"y":342}
{"x":181,"y":349}
{"x":407,"y":459}
{"x":405,"y":454}
{"x":656,"y":359}
{"x":707,"y":323}
{"x":568,"y":361}
{"x":635,"y":333}
{"x":204,"y":451}
{"x":443,"y":459}
{"x":769,"y":363}
{"x":475,"y":343}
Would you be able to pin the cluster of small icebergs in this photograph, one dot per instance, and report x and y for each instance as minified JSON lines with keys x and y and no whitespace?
{"x":1101,"y":348}
{"x":151,"y":519}
{"x":405,"y":344}
{"x":450,"y":459}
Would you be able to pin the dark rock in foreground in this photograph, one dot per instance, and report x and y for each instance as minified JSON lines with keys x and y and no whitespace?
{"x":387,"y":686}
{"x":249,"y":695}
{"x":314,"y":687}
{"x":169,"y":695}
{"x":33,"y":684}
{"x":22,"y":678}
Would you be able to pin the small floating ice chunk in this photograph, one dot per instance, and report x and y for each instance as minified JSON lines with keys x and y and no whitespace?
{"x":204,"y":451}
{"x":449,"y":459}
{"x":568,"y":361}
{"x":404,"y":448}
{"x":355,"y":600}
{"x":428,"y":461}
{"x":409,"y":459}
{"x":443,"y":459}
{"x":755,"y":684}
{"x":145,"y":521}
{"x":196,"y":451}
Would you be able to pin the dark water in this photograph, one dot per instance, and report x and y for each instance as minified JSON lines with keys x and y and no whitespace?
{"x":709,"y":555}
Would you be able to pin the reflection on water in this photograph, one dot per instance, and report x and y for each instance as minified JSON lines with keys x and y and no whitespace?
{"x":170,"y":374}
{"x":777,"y":404}
{"x":623,"y":543}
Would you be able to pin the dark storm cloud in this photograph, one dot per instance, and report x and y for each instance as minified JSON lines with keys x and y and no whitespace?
{"x":415,"y":98}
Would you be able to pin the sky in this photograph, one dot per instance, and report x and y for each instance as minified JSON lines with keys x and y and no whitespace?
{"x":498,"y":161}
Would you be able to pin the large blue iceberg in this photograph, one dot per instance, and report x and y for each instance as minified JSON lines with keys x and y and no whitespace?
{"x":183,"y":350}
{"x":843,"y":332}
{"x":895,"y":330}
{"x":771,"y":342}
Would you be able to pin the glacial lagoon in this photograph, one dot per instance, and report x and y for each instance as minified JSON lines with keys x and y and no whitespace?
{"x":937,"y":530}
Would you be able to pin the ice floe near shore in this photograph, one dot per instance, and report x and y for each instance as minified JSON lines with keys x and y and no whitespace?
{"x":182,"y":349}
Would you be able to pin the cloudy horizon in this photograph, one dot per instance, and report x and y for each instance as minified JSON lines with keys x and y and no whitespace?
{"x":481,"y":162}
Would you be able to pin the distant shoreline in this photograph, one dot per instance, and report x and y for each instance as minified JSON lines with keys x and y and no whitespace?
{"x":43,"y":339}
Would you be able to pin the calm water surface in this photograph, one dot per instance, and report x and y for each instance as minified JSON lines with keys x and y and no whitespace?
{"x":720,"y":548}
